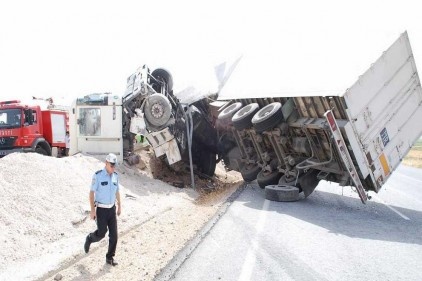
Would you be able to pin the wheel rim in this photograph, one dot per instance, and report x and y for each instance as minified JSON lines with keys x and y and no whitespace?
{"x":157,"y":110}
{"x":230,"y":111}
{"x":266,"y":110}
{"x":245,"y":111}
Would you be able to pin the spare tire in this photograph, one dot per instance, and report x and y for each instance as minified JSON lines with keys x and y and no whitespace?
{"x":229,"y":111}
{"x":282,"y":193}
{"x":267,"y":117}
{"x":162,"y":75}
{"x":157,"y":110}
{"x":242,"y":119}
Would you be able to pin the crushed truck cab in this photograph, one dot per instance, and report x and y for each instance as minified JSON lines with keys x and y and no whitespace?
{"x":104,"y":123}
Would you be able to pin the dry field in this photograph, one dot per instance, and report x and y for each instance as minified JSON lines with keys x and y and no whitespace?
{"x":414,"y":157}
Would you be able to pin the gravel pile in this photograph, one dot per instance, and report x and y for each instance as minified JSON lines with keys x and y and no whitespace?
{"x":44,"y":218}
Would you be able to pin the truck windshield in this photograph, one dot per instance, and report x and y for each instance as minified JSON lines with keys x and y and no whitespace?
{"x":89,"y":121}
{"x":10,"y":118}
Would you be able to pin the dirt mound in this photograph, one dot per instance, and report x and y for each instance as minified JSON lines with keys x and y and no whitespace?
{"x":156,"y":168}
{"x":45,"y":220}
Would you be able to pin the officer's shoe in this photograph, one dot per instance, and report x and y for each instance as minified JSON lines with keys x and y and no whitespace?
{"x":111,"y":261}
{"x":87,"y":244}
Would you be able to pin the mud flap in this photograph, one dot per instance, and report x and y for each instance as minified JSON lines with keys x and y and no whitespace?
{"x":308,"y":182}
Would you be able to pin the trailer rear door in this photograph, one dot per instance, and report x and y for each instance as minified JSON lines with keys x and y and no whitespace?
{"x":385,"y":110}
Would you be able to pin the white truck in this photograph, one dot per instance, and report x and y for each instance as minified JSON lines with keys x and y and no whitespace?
{"x":287,"y":143}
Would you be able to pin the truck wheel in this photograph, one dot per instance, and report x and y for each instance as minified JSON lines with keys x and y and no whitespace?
{"x":265,"y":178}
{"x":164,"y":76}
{"x":281,"y":193}
{"x":207,"y":162}
{"x":249,"y":172}
{"x":242,"y":119}
{"x":157,"y":110}
{"x":41,"y":151}
{"x":267,"y":117}
{"x":229,"y":111}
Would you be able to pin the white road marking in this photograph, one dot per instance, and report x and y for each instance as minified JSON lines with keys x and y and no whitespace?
{"x":410,"y":178}
{"x":391,"y":208}
{"x":250,"y":259}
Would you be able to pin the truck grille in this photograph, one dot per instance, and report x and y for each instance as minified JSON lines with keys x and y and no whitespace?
{"x":7,"y":142}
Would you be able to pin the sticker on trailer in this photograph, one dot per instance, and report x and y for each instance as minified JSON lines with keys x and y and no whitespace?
{"x":344,"y":153}
{"x":384,"y":165}
{"x":384,"y":137}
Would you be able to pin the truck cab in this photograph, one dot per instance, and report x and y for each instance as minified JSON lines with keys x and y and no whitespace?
{"x":95,"y":125}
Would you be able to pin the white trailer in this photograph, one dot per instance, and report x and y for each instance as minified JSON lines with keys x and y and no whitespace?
{"x":357,"y":137}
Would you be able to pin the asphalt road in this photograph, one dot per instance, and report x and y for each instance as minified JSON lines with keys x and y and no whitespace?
{"x":330,"y":235}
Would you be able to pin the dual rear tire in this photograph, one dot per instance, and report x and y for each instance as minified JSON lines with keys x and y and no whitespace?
{"x":242,"y":119}
{"x":267,"y":117}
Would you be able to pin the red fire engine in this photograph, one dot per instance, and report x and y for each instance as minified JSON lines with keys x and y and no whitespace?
{"x":25,"y":128}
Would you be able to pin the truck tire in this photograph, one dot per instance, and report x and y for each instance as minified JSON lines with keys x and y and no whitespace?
{"x":41,"y":151}
{"x":157,"y":110}
{"x":164,"y":76}
{"x":265,"y":179}
{"x":242,"y":119}
{"x":207,"y":162}
{"x":250,"y":172}
{"x":229,"y":111}
{"x":267,"y":117}
{"x":281,"y":193}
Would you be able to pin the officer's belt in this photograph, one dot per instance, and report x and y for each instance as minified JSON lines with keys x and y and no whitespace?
{"x":107,"y":206}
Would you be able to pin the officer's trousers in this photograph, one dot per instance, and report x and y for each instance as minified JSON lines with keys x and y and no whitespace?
{"x":106,"y":218}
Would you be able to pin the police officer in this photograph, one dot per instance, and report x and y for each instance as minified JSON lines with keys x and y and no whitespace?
{"x":103,"y":197}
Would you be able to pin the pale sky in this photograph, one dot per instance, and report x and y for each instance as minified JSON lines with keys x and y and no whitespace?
{"x":73,"y":48}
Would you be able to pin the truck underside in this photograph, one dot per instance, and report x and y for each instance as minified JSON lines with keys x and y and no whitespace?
{"x":283,"y":141}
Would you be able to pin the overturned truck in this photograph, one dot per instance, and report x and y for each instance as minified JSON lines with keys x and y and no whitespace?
{"x":286,"y":142}
{"x":356,"y":138}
